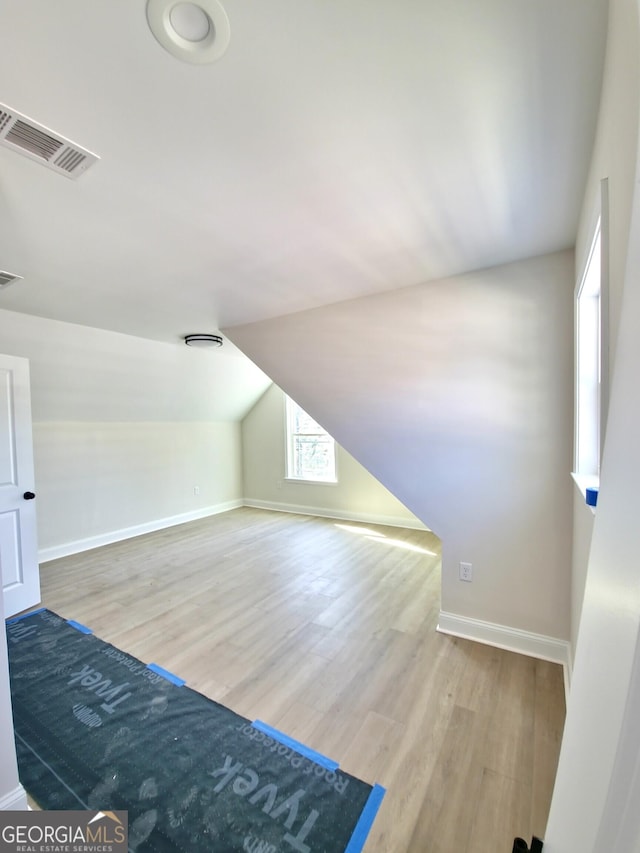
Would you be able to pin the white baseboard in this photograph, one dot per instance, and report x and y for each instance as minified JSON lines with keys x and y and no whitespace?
{"x":79,"y":545}
{"x":46,"y":554}
{"x":346,"y":515}
{"x":15,"y":800}
{"x":511,"y":639}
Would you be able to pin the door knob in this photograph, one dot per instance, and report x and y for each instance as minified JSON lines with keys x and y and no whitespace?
{"x":29,"y":496}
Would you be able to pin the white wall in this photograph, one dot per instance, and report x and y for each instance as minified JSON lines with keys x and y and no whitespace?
{"x":357,"y":495}
{"x":96,"y":479}
{"x":125,"y":428}
{"x":595,"y":802}
{"x":614,"y":158}
{"x":614,"y":154}
{"x":457,"y":396}
{"x":583,"y":518}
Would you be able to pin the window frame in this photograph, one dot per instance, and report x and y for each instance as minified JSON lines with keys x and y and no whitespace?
{"x":290,"y":408}
{"x":591,"y":375}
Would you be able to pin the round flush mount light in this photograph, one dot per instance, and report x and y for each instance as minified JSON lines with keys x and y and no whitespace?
{"x":194,"y":32}
{"x":203,"y":340}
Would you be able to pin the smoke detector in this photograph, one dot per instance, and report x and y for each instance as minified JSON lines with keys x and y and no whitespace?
{"x":26,"y":136}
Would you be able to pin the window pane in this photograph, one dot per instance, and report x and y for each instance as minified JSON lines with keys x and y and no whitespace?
{"x":313,"y":457}
{"x":589,"y":356}
{"x":304,"y":423}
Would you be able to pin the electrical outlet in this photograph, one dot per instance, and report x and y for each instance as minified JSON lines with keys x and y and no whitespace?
{"x":196,"y":490}
{"x":466,"y":572}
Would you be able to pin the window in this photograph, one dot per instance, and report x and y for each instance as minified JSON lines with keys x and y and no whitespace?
{"x":592,"y":350}
{"x":311,"y":452}
{"x":589,"y":362}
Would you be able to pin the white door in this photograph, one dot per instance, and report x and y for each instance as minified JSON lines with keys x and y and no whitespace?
{"x":18,"y":537}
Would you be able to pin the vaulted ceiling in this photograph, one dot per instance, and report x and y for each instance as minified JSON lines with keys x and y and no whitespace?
{"x":336,"y":149}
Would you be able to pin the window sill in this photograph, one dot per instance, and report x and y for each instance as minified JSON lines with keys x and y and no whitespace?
{"x":301,"y":481}
{"x":584,"y":482}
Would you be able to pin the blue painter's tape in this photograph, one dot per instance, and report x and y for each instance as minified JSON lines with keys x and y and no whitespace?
{"x":24,"y":615}
{"x":296,"y":746}
{"x":79,"y":626}
{"x":166,"y":674}
{"x":366,"y":819}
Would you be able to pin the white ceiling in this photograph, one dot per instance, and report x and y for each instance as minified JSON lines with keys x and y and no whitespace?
{"x":339,"y":148}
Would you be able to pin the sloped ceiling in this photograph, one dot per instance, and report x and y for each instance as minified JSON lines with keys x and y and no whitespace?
{"x":87,"y":374}
{"x":337,"y":149}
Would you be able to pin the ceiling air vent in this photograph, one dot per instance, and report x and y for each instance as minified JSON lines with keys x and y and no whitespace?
{"x":37,"y":142}
{"x":6,"y":278}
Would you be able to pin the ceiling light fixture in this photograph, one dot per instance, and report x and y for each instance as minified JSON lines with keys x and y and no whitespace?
{"x":194,"y":32}
{"x":203,"y":340}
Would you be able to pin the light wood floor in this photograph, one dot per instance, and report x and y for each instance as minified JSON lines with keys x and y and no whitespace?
{"x":326,"y":630}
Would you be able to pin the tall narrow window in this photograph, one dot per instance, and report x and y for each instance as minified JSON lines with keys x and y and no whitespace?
{"x":589,"y":362}
{"x":311,"y":453}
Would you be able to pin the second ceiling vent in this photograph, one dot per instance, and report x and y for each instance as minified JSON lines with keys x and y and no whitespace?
{"x":7,"y":278}
{"x":37,"y":142}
